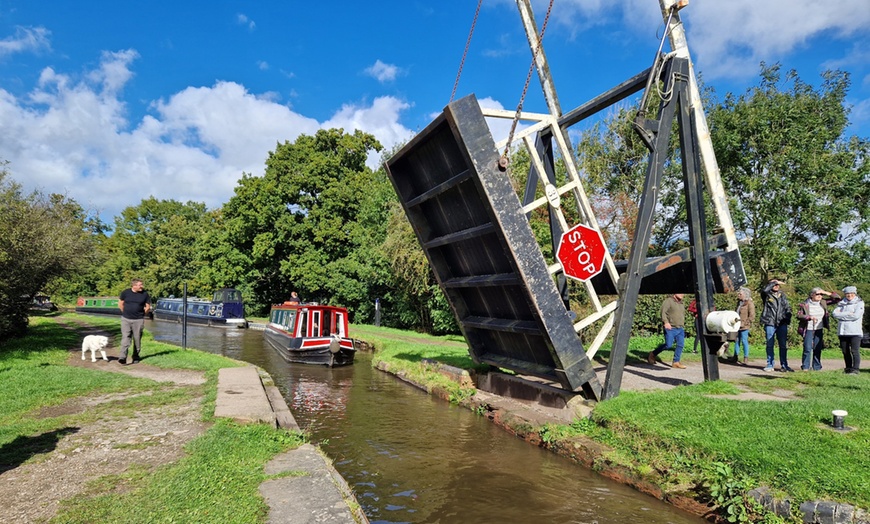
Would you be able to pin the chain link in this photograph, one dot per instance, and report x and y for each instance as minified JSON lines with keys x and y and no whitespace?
{"x":503,"y":161}
{"x":464,"y":53}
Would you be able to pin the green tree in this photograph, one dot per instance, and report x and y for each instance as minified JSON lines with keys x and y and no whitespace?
{"x":156,"y":241}
{"x":799,"y":188}
{"x":613,"y":161}
{"x":44,"y":237}
{"x":302,"y":225}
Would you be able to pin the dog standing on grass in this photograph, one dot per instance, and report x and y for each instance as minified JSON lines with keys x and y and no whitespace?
{"x":94,"y":343}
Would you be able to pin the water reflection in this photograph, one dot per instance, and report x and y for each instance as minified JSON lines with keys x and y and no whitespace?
{"x":411,"y":458}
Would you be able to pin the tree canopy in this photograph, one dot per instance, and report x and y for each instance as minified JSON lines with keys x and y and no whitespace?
{"x":799,"y":188}
{"x":302,"y":225}
{"x":44,"y":237}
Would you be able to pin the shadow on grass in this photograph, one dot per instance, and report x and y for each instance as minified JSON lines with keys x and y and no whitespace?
{"x":15,"y":453}
{"x":157,"y":354}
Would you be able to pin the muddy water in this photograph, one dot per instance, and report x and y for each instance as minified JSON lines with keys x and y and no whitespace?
{"x":411,"y":458}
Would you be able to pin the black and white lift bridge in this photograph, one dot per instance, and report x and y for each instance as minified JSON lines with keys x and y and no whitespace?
{"x":509,"y":300}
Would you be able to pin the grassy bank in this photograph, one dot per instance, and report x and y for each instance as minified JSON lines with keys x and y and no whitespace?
{"x":700,"y":440}
{"x":216,"y":481}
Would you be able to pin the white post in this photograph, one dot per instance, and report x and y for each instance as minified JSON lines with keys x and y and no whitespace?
{"x":677,"y":36}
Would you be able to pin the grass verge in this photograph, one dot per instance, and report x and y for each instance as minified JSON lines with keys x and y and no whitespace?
{"x":216,"y":482}
{"x":218,"y":479}
{"x":406,"y":353}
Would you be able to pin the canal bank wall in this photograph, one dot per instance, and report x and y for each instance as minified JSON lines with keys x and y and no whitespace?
{"x":524,"y":406}
{"x":308,"y":488}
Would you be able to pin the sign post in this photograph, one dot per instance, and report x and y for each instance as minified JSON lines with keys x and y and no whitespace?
{"x":581,"y":252}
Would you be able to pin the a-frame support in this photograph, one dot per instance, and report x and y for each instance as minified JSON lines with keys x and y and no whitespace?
{"x":658,"y":132}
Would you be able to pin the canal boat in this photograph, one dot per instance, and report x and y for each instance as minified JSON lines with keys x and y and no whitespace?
{"x":225,"y":309}
{"x":42,"y":302}
{"x":98,"y":305}
{"x":101,"y":306}
{"x":310,"y":334}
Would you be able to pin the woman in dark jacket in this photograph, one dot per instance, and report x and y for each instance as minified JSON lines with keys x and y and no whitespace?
{"x":814,"y":319}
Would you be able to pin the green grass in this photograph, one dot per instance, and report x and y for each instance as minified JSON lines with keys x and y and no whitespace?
{"x":216,"y":481}
{"x":404,"y":352}
{"x":786,"y":445}
{"x":688,"y":436}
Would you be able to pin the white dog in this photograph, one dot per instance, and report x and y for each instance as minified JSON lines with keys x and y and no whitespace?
{"x":94,"y":343}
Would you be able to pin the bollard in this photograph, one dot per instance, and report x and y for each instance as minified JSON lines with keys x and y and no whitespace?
{"x":839,"y":415}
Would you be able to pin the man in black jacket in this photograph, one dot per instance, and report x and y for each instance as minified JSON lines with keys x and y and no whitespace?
{"x":775,"y":317}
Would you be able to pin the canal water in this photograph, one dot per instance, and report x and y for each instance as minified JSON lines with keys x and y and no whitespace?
{"x":414,"y":459}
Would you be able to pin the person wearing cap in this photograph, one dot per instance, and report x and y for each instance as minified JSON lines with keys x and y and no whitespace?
{"x":746,"y":312}
{"x":674,"y":320}
{"x":850,"y":313}
{"x":813,"y":320}
{"x":775,"y":317}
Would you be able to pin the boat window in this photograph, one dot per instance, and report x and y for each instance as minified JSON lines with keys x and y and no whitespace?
{"x":327,"y":323}
{"x":315,"y":324}
{"x":339,"y":324}
{"x":289,"y":317}
{"x":302,"y":325}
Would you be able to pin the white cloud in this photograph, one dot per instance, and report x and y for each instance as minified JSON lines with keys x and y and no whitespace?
{"x":381,"y":119}
{"x":499,"y":128}
{"x":726,"y":38}
{"x":26,"y":39}
{"x":73,"y":137}
{"x":262,"y":65}
{"x":242,"y":19}
{"x":383,"y":72}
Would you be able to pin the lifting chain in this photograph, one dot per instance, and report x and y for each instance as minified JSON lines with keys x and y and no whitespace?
{"x":464,"y":53}
{"x":503,"y":161}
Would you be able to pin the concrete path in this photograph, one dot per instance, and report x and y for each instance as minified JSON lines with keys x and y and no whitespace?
{"x":311,"y":490}
{"x":642,"y":376}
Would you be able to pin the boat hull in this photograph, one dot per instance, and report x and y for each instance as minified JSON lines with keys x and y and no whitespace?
{"x":321,"y":351}
{"x":225,"y":310}
{"x":101,"y":306}
{"x":232,"y":323}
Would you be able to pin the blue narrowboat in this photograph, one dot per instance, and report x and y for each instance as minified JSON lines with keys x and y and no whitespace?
{"x":225,"y":309}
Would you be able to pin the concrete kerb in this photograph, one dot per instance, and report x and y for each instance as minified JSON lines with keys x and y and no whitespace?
{"x":313,"y":491}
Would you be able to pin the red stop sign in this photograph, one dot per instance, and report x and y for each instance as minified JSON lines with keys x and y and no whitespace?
{"x":581,"y":252}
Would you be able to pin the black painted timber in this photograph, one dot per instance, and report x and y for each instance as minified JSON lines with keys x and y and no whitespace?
{"x":470,"y":223}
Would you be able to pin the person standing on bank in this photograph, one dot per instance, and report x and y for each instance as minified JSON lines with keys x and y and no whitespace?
{"x":674,"y":320}
{"x":746,"y":312}
{"x":775,"y":317}
{"x":134,"y":303}
{"x":850,"y":313}
{"x":814,"y":320}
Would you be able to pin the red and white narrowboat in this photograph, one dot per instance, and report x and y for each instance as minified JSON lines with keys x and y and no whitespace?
{"x":310,"y":334}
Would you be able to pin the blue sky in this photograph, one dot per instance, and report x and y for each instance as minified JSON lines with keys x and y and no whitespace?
{"x":110,"y":102}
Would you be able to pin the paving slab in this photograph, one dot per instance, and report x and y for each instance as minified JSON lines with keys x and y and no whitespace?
{"x":317,"y":495}
{"x":241,"y":397}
